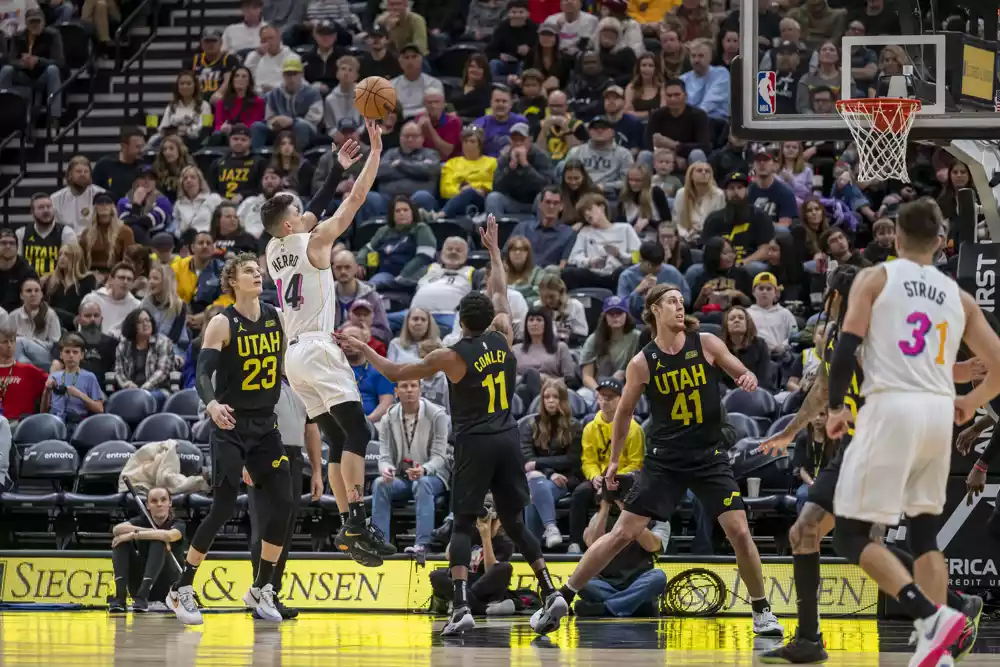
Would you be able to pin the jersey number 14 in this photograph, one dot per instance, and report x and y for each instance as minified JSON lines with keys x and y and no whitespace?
{"x":291,"y":295}
{"x":917,"y":342}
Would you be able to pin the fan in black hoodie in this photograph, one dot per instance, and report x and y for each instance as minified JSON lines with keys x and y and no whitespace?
{"x":513,"y":40}
{"x":586,"y":87}
{"x":617,"y":59}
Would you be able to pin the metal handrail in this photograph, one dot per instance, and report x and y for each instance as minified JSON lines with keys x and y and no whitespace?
{"x":7,"y":192}
{"x":124,"y":67}
{"x":89,"y":67}
{"x":190,"y":39}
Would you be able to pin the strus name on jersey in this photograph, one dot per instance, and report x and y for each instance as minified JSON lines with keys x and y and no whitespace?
{"x":286,"y":260}
{"x":917,"y":288}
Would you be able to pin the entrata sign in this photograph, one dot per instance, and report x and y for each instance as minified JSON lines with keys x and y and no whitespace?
{"x":972,"y":553}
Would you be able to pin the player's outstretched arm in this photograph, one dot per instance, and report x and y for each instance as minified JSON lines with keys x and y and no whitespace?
{"x":328,"y":231}
{"x":435,"y":362}
{"x":985,"y":344}
{"x":496,"y":284}
{"x":719,"y":355}
{"x":636,"y":379}
{"x":814,"y":403}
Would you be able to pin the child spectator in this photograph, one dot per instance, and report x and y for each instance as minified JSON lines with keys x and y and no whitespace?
{"x":21,"y":385}
{"x":883,"y":246}
{"x":74,"y":392}
{"x":740,"y":336}
{"x":807,"y":363}
{"x":775,"y":324}
{"x":532,"y":101}
{"x":664,"y":166}
{"x":36,"y":325}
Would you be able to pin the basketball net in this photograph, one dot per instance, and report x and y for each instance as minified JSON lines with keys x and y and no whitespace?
{"x":880,"y":127}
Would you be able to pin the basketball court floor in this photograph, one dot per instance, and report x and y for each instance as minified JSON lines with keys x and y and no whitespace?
{"x":94,"y":639}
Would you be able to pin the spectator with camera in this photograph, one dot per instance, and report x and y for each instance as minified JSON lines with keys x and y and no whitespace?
{"x":72,"y":393}
{"x":413,"y":461}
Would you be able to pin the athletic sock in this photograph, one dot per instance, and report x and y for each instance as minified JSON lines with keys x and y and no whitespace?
{"x":344,"y":516}
{"x":955,"y":601}
{"x":144,"y":588}
{"x":120,"y":589}
{"x":806,"y":567}
{"x":760,"y":605}
{"x":264,"y":573}
{"x":356,"y":513}
{"x":545,"y":581}
{"x":568,"y":592}
{"x":461,"y":593}
{"x":187,"y":575}
{"x":915,"y":603}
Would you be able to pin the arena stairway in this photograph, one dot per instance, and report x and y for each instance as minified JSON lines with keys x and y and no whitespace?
{"x":98,"y":133}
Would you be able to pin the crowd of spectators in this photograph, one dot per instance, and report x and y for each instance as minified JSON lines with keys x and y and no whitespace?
{"x":598,"y":136}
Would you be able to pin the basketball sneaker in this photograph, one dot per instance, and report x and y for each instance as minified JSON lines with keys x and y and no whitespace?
{"x":181,"y":602}
{"x":935,"y":635}
{"x":973,"y":610}
{"x":460,"y":621}
{"x":116,"y":606}
{"x":799,"y":651}
{"x":365,"y":544}
{"x":261,"y":600}
{"x":547,"y":619}
{"x":287,"y":613}
{"x":140,"y":605}
{"x":765,"y":624}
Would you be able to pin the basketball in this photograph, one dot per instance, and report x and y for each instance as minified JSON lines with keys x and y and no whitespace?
{"x":375,"y":98}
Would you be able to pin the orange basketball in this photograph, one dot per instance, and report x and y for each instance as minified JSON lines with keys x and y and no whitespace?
{"x":375,"y":98}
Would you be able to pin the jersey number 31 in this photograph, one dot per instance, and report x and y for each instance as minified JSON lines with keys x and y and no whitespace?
{"x":917,"y":342}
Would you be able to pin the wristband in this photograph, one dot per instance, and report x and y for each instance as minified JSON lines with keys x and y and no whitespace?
{"x":842,"y":368}
{"x":981,"y":467}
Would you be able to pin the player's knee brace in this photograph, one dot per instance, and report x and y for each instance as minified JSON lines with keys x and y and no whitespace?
{"x":527,"y":543}
{"x":462,"y":532}
{"x":922,"y":534}
{"x":277,"y":494}
{"x":351,"y":419}
{"x":851,"y":537}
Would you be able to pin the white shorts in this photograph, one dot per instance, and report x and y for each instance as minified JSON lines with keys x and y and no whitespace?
{"x":319,"y":373}
{"x":899,"y":459}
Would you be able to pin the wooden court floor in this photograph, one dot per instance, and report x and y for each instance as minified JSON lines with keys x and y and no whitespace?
{"x":94,"y":639}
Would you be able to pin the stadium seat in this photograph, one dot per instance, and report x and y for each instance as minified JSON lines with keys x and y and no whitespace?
{"x":745,"y":426}
{"x":371,"y":461}
{"x":576,"y":404}
{"x":526,"y":419}
{"x":77,"y":43}
{"x":451,"y":61}
{"x":749,"y":461}
{"x":642,"y":408}
{"x":394,"y":301}
{"x":201,"y":431}
{"x":505,"y":228}
{"x":592,"y":299}
{"x":95,"y":490}
{"x":132,"y":405}
{"x":516,"y":407}
{"x":46,"y":471}
{"x":365,"y":230}
{"x":711,"y":328}
{"x":97,"y":429}
{"x":162,"y":426}
{"x":184,"y":403}
{"x":35,"y":428}
{"x":206,"y":156}
{"x":758,"y":404}
{"x":192,"y":461}
{"x":13,"y":113}
{"x":445,"y":229}
{"x":779,"y":424}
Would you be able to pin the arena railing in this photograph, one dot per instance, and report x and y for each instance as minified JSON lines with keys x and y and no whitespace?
{"x":89,"y":68}
{"x":5,"y":194}
{"x":191,"y":37}
{"x":124,"y":67}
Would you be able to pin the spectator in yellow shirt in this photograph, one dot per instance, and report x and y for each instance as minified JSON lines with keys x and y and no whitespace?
{"x":199,"y":279}
{"x":597,"y":455}
{"x":468,"y":178}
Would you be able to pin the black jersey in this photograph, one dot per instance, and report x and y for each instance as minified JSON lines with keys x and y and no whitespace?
{"x":42,"y":252}
{"x":685,"y":402}
{"x":853,"y":399}
{"x":480,"y":402}
{"x":249,"y":375}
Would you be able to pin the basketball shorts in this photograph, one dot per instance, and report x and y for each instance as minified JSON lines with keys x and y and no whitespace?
{"x":899,"y":459}
{"x":659,"y":488}
{"x":489,"y":463}
{"x":255,"y":443}
{"x":825,"y":484}
{"x":319,"y":373}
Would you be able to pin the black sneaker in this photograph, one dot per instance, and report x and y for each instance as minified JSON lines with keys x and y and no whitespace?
{"x":140,"y":605}
{"x":587,"y":609}
{"x":797,"y":652}
{"x":286,"y":612}
{"x":358,"y":545}
{"x":383,"y":547}
{"x":116,"y":606}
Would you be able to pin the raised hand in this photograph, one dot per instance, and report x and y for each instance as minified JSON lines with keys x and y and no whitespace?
{"x":489,"y":233}
{"x":349,"y":153}
{"x":374,"y":135}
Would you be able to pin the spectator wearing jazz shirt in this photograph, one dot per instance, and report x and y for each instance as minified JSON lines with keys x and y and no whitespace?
{"x":606,"y":162}
{"x":413,"y":82}
{"x":410,"y":169}
{"x":14,"y":270}
{"x":652,"y":270}
{"x":378,"y":61}
{"x":340,"y":102}
{"x":413,"y":461}
{"x":499,"y":124}
{"x":522,"y":172}
{"x":267,"y":62}
{"x":236,"y":175}
{"x":748,"y":228}
{"x":467,"y":179}
{"x":404,"y":27}
{"x":292,"y":106}
{"x":628,"y":129}
{"x":775,"y":324}
{"x":707,"y":85}
{"x":350,"y":289}
{"x":37,"y":56}
{"x":21,"y":385}
{"x":245,"y":35}
{"x":116,"y":173}
{"x":769,"y":194}
{"x":213,"y":65}
{"x":819,"y":22}
{"x":377,"y":393}
{"x":72,"y":393}
{"x":512,"y":40}
{"x":115,"y":298}
{"x":560,"y":130}
{"x":443,"y":286}
{"x":577,"y":29}
{"x":74,"y":203}
{"x":442,"y":129}
{"x":144,"y":209}
{"x":550,"y":238}
{"x":679,"y":126}
{"x":322,"y":62}
{"x":603,"y":249}
{"x":40,"y":242}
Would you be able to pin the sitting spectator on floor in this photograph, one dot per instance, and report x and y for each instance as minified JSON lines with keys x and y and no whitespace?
{"x":522,"y":274}
{"x":467,"y":179}
{"x":212,"y":65}
{"x":37,"y":59}
{"x":73,"y":393}
{"x":236,"y":176}
{"x":541,"y":356}
{"x":144,"y":358}
{"x":410,"y":170}
{"x":267,"y":62}
{"x":227,"y":230}
{"x":66,"y":287}
{"x":116,"y":173}
{"x":523,"y":171}
{"x":682,"y":128}
{"x":73,"y":204}
{"x":141,"y":569}
{"x":293,"y":105}
{"x":239,"y":103}
{"x":813,"y":451}
{"x":165,"y":306}
{"x":185,"y":115}
{"x":361,"y":314}
{"x":245,"y":35}
{"x":36,"y":325}
{"x":145,"y":210}
{"x":739,"y":333}
{"x":248,"y":212}
{"x":195,"y":203}
{"x":39,"y":242}
{"x":775,"y":324}
{"x":748,"y":228}
{"x":339,"y":103}
{"x":630,"y":585}
{"x":606,"y":162}
{"x":608,"y":350}
{"x":403,"y":248}
{"x":719,"y":281}
{"x":98,"y":347}
{"x":377,"y":393}
{"x":490,"y":572}
{"x":636,"y":281}
{"x":21,"y":384}
{"x":550,"y":239}
{"x":417,"y":328}
{"x":411,"y":85}
{"x":115,"y":297}
{"x":550,"y":443}
{"x":569,"y":319}
{"x":14,"y":270}
{"x":498,"y":126}
{"x":349,"y":288}
{"x":442,"y":129}
{"x":413,"y":462}
{"x":444,"y":285}
{"x":603,"y":249}
{"x":596,"y":455}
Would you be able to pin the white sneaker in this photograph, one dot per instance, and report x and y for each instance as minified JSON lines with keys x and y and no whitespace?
{"x":546,"y":619}
{"x":501,"y":608}
{"x":574,"y":548}
{"x":765,"y":624}
{"x":460,"y":621}
{"x":935,"y":635}
{"x":552,"y":536}
{"x":662,"y":530}
{"x":262,"y":601}
{"x":416,"y":549}
{"x":181,"y":602}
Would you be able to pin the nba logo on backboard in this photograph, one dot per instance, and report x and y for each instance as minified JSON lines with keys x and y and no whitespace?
{"x":766,"y":82}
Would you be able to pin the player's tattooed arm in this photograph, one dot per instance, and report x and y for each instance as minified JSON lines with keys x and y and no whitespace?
{"x":442,"y":359}
{"x":814,"y":403}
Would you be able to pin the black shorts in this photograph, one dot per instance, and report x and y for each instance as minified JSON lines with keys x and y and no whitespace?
{"x":659,"y":489}
{"x":489,"y":463}
{"x":825,"y":484}
{"x":255,"y":443}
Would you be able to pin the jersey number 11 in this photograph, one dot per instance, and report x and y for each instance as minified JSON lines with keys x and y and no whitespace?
{"x":499,"y":382}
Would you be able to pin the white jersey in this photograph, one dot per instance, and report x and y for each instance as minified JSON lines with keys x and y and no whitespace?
{"x":917,"y":324}
{"x":306,"y":295}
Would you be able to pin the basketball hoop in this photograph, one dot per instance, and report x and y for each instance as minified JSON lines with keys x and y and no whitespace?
{"x":880,"y":126}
